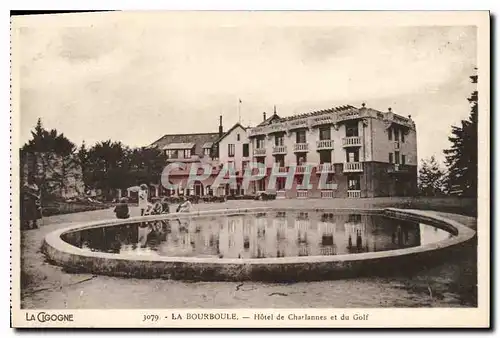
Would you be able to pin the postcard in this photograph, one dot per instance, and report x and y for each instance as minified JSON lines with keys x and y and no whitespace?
{"x":243,"y":169}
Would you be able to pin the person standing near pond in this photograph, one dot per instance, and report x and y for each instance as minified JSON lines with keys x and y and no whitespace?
{"x":143,"y":198}
{"x":31,"y":204}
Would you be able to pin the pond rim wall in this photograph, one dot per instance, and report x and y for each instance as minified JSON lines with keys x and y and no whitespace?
{"x":288,"y":269}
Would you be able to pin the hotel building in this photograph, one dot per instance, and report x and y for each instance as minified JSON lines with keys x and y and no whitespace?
{"x":358,"y":152}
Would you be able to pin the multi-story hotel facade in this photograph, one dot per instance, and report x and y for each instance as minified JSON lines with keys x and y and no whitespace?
{"x":357,"y":152}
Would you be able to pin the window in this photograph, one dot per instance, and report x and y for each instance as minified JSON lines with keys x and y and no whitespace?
{"x":237,"y":137}
{"x":207,"y":151}
{"x":261,"y":160}
{"x":351,"y":129}
{"x":403,"y":159}
{"x":396,"y":134}
{"x":246,"y":150}
{"x":280,"y":159}
{"x":330,"y":179}
{"x":260,"y":143}
{"x":403,"y":137}
{"x":391,"y":158}
{"x":353,"y":183}
{"x":280,"y":183}
{"x":230,"y":150}
{"x":389,"y":132}
{"x":325,"y":156}
{"x":261,"y":185}
{"x":396,"y":157}
{"x":301,"y":159}
{"x":352,"y":156}
{"x":187,"y":153}
{"x":324,"y":133}
{"x":278,"y":140}
{"x":300,"y":136}
{"x":244,"y":165}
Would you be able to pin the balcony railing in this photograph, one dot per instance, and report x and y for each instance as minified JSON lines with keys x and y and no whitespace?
{"x":300,"y":147}
{"x":259,"y":152}
{"x":302,"y":193}
{"x":324,"y":144}
{"x":354,"y":193}
{"x":280,"y":194}
{"x":300,"y":169}
{"x":325,"y":168}
{"x":280,"y":169}
{"x":326,"y":194}
{"x":352,"y":141}
{"x":279,"y":150}
{"x":352,"y":167}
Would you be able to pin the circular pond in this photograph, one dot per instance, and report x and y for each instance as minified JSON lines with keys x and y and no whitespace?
{"x":258,"y":244}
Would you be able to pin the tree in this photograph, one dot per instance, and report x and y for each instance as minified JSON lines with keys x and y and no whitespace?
{"x":461,"y":158}
{"x":52,"y":157}
{"x":82,"y":156}
{"x":146,"y":165}
{"x":431,"y":178}
{"x":107,"y":166}
{"x":44,"y":141}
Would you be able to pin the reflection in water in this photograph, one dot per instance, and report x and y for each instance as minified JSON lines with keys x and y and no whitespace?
{"x":259,"y":236}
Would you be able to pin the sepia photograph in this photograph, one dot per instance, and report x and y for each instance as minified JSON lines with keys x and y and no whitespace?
{"x":194,"y":164}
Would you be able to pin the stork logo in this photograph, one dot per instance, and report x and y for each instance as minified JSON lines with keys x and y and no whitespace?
{"x":254,"y":172}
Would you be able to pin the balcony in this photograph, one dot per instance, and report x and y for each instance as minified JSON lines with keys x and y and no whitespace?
{"x":353,"y":193}
{"x":352,"y":141}
{"x":327,"y":194}
{"x":353,"y":167}
{"x":301,"y":169}
{"x":277,"y":150}
{"x":325,"y":168}
{"x":300,"y":147}
{"x":302,"y":193}
{"x":324,"y":144}
{"x":280,"y":169}
{"x":259,"y":152}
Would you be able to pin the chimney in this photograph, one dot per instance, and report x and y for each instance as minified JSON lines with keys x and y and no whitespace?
{"x":221,"y":130}
{"x":264,"y":115}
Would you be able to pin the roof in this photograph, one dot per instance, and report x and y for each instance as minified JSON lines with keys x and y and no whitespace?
{"x":179,"y":146}
{"x":229,"y":131}
{"x":198,"y":139}
{"x":270,"y":119}
{"x":207,"y":145}
{"x":276,"y":118}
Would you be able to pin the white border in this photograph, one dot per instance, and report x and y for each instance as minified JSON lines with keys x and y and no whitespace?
{"x":4,"y":150}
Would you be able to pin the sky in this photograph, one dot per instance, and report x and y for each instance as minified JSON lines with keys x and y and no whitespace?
{"x":133,"y":79}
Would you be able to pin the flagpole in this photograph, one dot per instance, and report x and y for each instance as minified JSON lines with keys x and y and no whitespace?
{"x":239,"y":110}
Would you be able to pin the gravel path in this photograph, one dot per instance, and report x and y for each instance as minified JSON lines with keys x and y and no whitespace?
{"x":46,"y":286}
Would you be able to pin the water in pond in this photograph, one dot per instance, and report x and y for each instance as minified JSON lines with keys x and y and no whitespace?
{"x":276,"y":234}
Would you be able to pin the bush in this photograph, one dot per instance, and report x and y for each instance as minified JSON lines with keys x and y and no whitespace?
{"x":59,"y":208}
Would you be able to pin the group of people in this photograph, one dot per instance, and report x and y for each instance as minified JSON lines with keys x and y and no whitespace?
{"x":156,"y":207}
